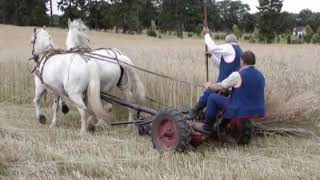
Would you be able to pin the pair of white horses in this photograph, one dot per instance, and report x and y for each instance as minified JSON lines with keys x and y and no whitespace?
{"x":82,"y":79}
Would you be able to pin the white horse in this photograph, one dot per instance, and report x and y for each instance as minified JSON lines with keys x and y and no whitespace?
{"x":110,"y":73}
{"x":66,"y":75}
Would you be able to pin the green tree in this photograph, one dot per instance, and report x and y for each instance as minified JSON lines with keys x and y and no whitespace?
{"x":307,"y":17}
{"x":233,"y":12}
{"x":171,"y":15}
{"x":101,"y":15}
{"x":309,"y":34}
{"x":51,"y":15}
{"x":192,"y":15}
{"x":72,"y":9}
{"x":316,"y":36}
{"x":24,"y":12}
{"x":214,"y":19}
{"x":288,"y":22}
{"x":304,"y":17}
{"x":148,"y":13}
{"x":269,"y":18}
{"x":236,"y":31}
{"x":248,"y":22}
{"x":128,"y":14}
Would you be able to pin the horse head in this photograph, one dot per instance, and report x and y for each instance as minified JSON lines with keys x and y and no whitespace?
{"x":41,"y":41}
{"x":77,"y":24}
{"x":77,"y":37}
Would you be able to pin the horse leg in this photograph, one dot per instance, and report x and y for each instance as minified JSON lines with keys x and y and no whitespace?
{"x":128,"y":97}
{"x":39,"y":91}
{"x":92,"y":119}
{"x":107,"y":107}
{"x":64,"y":107}
{"x":55,"y":108}
{"x":77,"y":99}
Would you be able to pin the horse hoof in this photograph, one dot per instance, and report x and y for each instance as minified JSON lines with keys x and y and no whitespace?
{"x":92,"y":128}
{"x":65,"y":109}
{"x":42,"y":119}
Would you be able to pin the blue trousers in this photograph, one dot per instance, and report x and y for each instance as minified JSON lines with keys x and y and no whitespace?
{"x":213,"y":102}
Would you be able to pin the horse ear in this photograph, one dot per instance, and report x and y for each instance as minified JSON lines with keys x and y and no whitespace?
{"x":69,"y":22}
{"x":44,"y":27}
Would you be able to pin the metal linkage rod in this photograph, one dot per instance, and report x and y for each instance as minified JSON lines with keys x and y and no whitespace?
{"x":113,"y":99}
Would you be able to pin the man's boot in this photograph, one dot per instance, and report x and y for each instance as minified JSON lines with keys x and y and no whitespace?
{"x":205,"y":128}
{"x":195,"y":111}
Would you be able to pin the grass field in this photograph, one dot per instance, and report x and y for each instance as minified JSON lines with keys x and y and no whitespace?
{"x":33,"y":151}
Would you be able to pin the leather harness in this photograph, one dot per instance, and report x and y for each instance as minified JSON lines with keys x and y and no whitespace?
{"x":81,"y":51}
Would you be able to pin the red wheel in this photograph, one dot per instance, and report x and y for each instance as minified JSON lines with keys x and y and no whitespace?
{"x":170,"y":132}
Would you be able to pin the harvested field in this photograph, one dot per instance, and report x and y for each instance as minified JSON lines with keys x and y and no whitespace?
{"x":33,"y":151}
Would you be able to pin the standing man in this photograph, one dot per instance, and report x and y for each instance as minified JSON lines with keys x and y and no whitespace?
{"x":247,"y":95}
{"x":226,"y":57}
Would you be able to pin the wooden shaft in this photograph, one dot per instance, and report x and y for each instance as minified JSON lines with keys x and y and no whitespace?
{"x":113,"y":99}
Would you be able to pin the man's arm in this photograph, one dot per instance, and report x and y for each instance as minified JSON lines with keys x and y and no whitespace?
{"x":225,"y":50}
{"x":212,"y":47}
{"x":215,"y":87}
{"x":215,"y":60}
{"x":234,"y":80}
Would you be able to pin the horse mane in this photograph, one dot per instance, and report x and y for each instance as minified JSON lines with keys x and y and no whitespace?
{"x":78,"y":35}
{"x":79,"y":39}
{"x":44,"y":40}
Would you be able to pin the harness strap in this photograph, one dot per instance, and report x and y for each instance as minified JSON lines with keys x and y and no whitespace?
{"x":121,"y":74}
{"x":86,"y":53}
{"x":102,"y":58}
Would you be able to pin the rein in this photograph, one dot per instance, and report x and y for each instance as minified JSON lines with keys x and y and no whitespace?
{"x":112,"y":60}
{"x":87,"y":54}
{"x":35,"y":59}
{"x":34,"y":41}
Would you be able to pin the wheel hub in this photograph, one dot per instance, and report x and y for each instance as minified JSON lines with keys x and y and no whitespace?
{"x":167,"y":135}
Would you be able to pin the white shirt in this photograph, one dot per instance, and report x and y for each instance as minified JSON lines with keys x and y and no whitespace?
{"x":233,"y":80}
{"x":217,"y":51}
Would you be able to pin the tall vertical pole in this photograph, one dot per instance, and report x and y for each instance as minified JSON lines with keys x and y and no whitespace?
{"x":51,"y":18}
{"x":205,"y":24}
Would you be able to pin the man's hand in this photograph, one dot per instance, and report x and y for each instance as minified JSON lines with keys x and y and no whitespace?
{"x":214,"y":86}
{"x":208,"y":54}
{"x":205,"y":30}
{"x":207,"y":85}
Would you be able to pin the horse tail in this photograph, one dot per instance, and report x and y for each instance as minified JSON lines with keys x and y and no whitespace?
{"x":135,"y":84}
{"x":93,"y":92}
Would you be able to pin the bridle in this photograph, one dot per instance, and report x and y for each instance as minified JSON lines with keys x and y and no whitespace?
{"x":36,"y":57}
{"x":34,"y":42}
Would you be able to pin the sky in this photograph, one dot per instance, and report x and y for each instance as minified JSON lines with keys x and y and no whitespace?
{"x":294,"y":6}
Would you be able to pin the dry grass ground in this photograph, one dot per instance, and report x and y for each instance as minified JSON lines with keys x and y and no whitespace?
{"x":33,"y":151}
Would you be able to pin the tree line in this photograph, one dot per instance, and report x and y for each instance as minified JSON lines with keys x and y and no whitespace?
{"x":178,"y":16}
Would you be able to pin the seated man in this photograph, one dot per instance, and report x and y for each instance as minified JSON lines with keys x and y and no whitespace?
{"x":247,"y":95}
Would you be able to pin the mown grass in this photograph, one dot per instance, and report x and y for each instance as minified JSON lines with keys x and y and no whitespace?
{"x":33,"y":151}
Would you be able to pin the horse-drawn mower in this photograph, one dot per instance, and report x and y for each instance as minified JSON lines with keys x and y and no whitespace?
{"x":170,"y":129}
